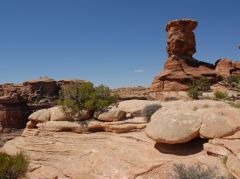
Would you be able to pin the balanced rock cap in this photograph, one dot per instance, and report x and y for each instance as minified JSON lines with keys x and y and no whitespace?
{"x":188,"y":24}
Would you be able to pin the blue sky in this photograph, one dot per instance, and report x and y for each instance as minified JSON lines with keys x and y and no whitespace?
{"x":114,"y":42}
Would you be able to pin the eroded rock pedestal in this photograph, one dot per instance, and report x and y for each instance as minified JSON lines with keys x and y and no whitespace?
{"x":181,"y":68}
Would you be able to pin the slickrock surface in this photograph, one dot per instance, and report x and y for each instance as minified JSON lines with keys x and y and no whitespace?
{"x":180,"y":122}
{"x":9,"y":134}
{"x":102,"y":155}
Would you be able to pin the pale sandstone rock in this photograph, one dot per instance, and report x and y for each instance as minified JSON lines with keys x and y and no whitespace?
{"x":57,"y":114}
{"x":130,"y":125}
{"x":214,"y":125}
{"x":172,"y":127}
{"x":179,"y":121}
{"x":112,"y":115}
{"x":98,"y":155}
{"x":236,"y":135}
{"x":42,"y":115}
{"x":233,"y":165}
{"x":232,"y":145}
{"x":136,"y":107}
{"x":216,"y":149}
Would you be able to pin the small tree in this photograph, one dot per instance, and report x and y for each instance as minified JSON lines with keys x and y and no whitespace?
{"x":76,"y":98}
{"x":194,"y":92}
{"x":233,"y":82}
{"x":204,"y":83}
{"x":197,"y":87}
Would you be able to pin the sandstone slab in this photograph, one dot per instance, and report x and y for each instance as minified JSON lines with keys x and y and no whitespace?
{"x":42,"y":115}
{"x":136,"y":107}
{"x":181,"y":121}
{"x":233,"y":165}
{"x":98,"y":155}
{"x":112,"y":115}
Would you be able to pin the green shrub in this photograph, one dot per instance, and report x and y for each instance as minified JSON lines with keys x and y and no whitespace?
{"x":194,"y":92}
{"x":235,"y":104}
{"x":197,"y":87}
{"x":220,"y":95}
{"x":233,"y":80}
{"x":13,"y":167}
{"x":203,"y":84}
{"x":149,"y":110}
{"x":77,"y":98}
{"x":194,"y":172}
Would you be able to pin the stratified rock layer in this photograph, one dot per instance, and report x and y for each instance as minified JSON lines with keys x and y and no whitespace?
{"x":18,"y":101}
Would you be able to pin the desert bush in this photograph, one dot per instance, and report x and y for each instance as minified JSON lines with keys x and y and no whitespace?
{"x":197,"y":171}
{"x":13,"y":167}
{"x":194,"y":92}
{"x":233,"y":80}
{"x":203,"y":83}
{"x":235,"y":104}
{"x":76,"y":98}
{"x":149,"y":110}
{"x":197,"y":87}
{"x":220,"y":95}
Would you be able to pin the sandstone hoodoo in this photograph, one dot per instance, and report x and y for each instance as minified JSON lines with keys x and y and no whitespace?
{"x":181,"y":68}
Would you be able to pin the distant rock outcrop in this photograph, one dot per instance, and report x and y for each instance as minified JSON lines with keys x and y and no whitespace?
{"x":181,"y":68}
{"x":18,"y":101}
{"x":226,"y":67}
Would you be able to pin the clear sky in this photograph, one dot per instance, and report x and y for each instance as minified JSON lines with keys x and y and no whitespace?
{"x":114,"y":42}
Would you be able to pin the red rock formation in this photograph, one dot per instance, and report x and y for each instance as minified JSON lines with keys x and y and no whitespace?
{"x":226,"y":67}
{"x":180,"y":38}
{"x":181,"y":68}
{"x":13,"y":113}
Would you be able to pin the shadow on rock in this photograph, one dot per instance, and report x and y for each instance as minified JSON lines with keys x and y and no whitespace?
{"x":193,"y":147}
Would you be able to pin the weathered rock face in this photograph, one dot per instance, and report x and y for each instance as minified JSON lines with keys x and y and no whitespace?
{"x":18,"y":101}
{"x":180,"y":37}
{"x":181,"y":68}
{"x":13,"y":114}
{"x":226,"y":67}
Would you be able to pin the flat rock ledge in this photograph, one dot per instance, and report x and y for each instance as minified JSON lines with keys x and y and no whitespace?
{"x":131,"y":125}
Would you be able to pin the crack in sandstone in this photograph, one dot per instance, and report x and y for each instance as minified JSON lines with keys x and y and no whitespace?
{"x":136,"y":139}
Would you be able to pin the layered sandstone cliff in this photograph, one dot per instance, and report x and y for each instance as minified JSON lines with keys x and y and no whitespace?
{"x":18,"y":101}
